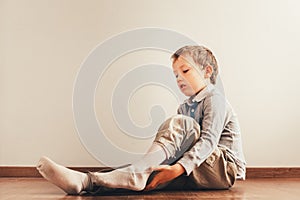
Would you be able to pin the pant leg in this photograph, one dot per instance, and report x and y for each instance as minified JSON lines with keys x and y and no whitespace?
{"x":176,"y":135}
{"x":217,"y":172}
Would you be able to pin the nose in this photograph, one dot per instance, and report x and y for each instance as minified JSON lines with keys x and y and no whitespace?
{"x":179,"y":78}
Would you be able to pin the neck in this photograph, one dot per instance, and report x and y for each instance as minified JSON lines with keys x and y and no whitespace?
{"x":200,"y":90}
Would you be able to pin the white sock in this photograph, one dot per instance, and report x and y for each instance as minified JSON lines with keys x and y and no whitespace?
{"x":72,"y":182}
{"x":133,"y":177}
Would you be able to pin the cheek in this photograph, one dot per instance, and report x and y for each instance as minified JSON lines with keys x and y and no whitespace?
{"x":196,"y":81}
{"x":193,"y":78}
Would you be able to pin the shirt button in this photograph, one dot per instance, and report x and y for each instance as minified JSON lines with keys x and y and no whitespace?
{"x":192,"y":110}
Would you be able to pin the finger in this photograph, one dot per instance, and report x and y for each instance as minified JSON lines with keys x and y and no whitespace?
{"x":152,"y":183}
{"x":159,"y":168}
{"x":148,"y":188}
{"x":157,"y":180}
{"x":151,"y":186}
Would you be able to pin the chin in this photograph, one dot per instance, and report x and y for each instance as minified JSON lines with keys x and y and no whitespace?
{"x":188,"y":94}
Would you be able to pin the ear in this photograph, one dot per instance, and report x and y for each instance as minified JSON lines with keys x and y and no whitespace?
{"x":208,"y":71}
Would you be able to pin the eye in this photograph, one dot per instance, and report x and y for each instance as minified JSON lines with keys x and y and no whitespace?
{"x":185,"y":71}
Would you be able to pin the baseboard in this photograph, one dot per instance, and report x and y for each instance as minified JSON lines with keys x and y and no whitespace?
{"x":273,"y":172}
{"x":252,"y":172}
{"x":9,"y":171}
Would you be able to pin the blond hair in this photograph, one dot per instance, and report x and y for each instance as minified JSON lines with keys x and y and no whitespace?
{"x":202,"y":56}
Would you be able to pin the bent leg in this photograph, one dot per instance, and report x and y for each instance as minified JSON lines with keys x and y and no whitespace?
{"x":177,"y":135}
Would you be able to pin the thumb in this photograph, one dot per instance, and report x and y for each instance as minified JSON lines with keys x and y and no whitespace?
{"x":159,"y":168}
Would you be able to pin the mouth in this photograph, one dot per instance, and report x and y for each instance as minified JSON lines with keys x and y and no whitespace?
{"x":182,"y":86}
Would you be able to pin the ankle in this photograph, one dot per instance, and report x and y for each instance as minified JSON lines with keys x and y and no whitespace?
{"x":88,"y":184}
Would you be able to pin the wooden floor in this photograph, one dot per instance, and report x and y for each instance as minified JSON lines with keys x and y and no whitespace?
{"x":267,"y":188}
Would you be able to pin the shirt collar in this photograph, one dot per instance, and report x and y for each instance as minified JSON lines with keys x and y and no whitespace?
{"x":201,"y":95}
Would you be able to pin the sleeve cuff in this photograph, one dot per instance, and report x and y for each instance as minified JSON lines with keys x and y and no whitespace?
{"x":187,"y":165}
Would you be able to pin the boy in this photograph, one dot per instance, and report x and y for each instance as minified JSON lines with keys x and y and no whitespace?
{"x":200,"y":148}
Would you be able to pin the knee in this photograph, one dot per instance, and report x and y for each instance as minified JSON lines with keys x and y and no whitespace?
{"x":182,"y":124}
{"x":186,"y":123}
{"x":179,"y":121}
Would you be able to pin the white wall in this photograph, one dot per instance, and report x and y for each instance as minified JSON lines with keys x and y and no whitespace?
{"x":43,"y":43}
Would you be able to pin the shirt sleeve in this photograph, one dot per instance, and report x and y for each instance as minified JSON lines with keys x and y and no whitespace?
{"x":214,"y":111}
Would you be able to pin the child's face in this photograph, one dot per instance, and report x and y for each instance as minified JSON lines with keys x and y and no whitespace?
{"x":190,"y":79}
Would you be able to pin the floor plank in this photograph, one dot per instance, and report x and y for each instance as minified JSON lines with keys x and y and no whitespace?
{"x":266,"y":188}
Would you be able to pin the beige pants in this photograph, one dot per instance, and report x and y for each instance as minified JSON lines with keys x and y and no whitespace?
{"x":177,"y":135}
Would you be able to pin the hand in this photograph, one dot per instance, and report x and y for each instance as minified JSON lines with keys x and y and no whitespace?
{"x":165,"y":174}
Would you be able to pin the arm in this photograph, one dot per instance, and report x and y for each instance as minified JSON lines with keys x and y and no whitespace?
{"x":214,"y":112}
